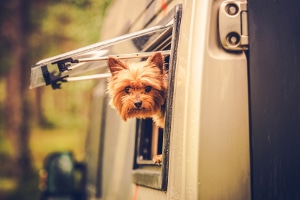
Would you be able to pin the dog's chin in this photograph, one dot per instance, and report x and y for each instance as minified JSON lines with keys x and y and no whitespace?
{"x":140,"y":113}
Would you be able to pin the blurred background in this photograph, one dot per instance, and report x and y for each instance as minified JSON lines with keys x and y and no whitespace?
{"x":35,"y":122}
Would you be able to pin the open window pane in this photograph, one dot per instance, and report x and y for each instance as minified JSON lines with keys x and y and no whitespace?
{"x":57,"y":69}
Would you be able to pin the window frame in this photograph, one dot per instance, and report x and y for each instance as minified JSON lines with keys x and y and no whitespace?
{"x":146,"y":173}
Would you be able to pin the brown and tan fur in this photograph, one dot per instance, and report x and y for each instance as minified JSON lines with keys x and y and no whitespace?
{"x":139,"y":89}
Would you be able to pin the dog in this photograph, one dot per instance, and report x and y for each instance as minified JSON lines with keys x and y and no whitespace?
{"x":139,"y":89}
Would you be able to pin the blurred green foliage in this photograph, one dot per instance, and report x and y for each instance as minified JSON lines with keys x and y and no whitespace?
{"x":54,"y":27}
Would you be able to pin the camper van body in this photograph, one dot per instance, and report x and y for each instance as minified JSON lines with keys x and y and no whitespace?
{"x":232,"y":116}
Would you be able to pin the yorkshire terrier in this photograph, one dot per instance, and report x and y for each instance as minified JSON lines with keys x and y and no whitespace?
{"x":139,"y":90}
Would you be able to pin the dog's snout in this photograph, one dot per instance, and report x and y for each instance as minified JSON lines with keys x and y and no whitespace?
{"x":138,"y":104}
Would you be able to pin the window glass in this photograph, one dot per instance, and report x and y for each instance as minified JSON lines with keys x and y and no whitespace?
{"x":59,"y":68}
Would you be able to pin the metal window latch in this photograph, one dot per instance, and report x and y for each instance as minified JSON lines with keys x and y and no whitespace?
{"x":233,"y":25}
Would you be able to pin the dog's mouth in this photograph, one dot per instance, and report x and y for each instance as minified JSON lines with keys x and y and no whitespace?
{"x":140,"y":109}
{"x":140,"y":112}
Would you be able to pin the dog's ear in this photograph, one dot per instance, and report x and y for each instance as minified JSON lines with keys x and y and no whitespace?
{"x":158,"y":60}
{"x":115,"y":65}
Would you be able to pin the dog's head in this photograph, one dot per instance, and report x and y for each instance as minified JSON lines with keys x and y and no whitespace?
{"x":137,"y":89}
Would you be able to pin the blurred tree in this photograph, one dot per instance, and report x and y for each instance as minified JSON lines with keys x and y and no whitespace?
{"x":16,"y":120}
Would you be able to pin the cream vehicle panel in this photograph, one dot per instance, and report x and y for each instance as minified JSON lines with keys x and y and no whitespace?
{"x":209,"y":152}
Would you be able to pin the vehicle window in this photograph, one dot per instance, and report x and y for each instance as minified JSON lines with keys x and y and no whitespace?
{"x":91,"y":62}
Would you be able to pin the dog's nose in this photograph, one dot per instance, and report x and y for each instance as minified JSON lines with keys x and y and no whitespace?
{"x":138,"y":104}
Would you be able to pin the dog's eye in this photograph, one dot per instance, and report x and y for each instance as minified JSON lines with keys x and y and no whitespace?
{"x":148,"y":88}
{"x":127,"y":89}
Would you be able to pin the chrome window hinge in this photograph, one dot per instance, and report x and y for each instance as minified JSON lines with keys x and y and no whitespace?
{"x":233,"y":25}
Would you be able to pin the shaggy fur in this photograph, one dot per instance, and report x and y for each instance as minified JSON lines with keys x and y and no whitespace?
{"x":138,"y":89}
